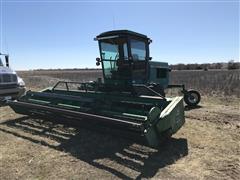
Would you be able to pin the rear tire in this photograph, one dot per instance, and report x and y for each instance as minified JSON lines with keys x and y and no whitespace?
{"x":192,"y":98}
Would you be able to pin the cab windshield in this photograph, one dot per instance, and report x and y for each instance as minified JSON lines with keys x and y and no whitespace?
{"x":111,"y":51}
{"x":109,"y":54}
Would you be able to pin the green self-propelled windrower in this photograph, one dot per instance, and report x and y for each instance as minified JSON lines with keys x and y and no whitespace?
{"x":129,"y":100}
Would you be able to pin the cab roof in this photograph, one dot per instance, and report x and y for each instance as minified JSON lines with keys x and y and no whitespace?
{"x":120,"y":33}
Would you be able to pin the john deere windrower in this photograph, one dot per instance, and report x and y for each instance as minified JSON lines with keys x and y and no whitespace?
{"x":129,"y":100}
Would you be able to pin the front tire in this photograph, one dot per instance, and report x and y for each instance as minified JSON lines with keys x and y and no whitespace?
{"x":192,"y":98}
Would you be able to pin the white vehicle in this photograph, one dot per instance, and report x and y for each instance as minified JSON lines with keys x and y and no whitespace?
{"x":11,"y":85}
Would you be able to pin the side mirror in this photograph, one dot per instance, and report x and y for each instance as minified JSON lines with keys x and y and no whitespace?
{"x":149,"y":41}
{"x":7,"y":60}
{"x":98,"y":61}
{"x":150,"y":58}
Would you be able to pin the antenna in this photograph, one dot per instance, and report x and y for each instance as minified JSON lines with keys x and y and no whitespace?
{"x":113,"y":18}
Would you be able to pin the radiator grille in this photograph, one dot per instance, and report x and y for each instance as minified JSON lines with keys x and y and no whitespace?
{"x":8,"y":86}
{"x":8,"y":78}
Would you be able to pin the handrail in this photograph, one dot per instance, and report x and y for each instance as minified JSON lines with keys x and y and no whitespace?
{"x":70,"y":82}
{"x":86,"y":89}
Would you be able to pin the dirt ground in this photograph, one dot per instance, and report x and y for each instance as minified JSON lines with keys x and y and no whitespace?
{"x":207,"y":147}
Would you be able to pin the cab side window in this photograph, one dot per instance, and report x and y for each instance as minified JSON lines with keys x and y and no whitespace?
{"x":162,"y":73}
{"x":138,"y":50}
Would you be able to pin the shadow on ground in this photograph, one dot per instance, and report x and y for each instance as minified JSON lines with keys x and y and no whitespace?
{"x":90,"y":146}
{"x":188,"y":108}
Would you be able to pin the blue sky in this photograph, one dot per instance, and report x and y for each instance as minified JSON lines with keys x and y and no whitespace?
{"x":55,"y":34}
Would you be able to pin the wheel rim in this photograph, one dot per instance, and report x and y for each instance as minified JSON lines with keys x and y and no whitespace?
{"x":193,"y":98}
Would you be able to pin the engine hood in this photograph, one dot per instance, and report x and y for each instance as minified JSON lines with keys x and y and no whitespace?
{"x":6,"y":70}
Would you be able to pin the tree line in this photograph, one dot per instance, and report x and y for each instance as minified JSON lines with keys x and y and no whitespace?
{"x":231,"y":65}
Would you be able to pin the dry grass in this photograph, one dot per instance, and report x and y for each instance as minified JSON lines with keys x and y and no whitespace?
{"x":215,"y":82}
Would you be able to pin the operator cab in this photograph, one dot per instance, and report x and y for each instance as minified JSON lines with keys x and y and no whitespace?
{"x":124,"y":56}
